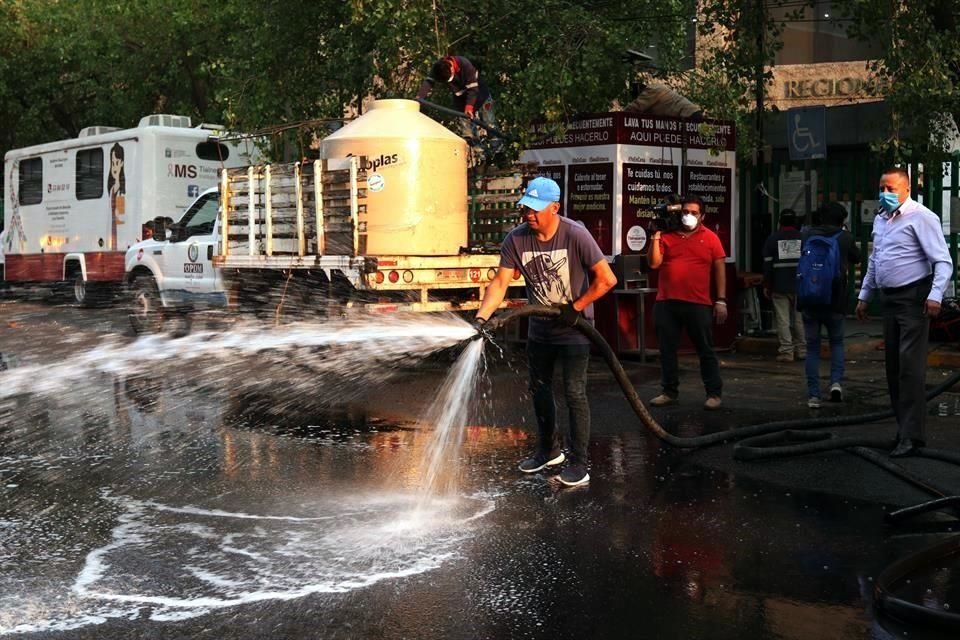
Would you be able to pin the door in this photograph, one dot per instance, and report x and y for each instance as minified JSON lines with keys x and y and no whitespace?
{"x":188,"y":264}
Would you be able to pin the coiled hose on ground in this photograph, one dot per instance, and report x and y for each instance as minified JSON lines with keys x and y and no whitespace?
{"x":784,"y":431}
{"x":797,"y":437}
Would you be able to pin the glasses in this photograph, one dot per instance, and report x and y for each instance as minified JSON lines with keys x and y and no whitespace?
{"x":525,"y":210}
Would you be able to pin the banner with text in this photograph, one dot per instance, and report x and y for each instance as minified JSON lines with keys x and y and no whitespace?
{"x":643,"y":187}
{"x":590,"y":200}
{"x":715,"y":187}
{"x":627,"y":128}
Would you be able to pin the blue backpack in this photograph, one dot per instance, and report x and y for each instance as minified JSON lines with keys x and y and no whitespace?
{"x":819,"y":267}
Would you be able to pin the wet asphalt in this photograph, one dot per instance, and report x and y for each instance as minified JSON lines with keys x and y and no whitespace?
{"x":263,"y":498}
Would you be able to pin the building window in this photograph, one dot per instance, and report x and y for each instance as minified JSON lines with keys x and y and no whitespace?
{"x":89,"y":174}
{"x":817,"y":36}
{"x":31,"y":181}
{"x":215,"y":151}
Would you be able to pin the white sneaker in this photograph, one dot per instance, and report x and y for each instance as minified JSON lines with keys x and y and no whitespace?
{"x":836,"y":392}
{"x":813,"y":403}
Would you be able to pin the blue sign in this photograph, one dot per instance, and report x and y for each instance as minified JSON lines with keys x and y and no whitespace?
{"x":807,"y":133}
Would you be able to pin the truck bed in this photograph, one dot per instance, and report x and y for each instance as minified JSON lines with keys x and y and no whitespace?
{"x":306,"y":218}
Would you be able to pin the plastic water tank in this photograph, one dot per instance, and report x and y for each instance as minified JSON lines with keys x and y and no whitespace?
{"x":416,"y":179}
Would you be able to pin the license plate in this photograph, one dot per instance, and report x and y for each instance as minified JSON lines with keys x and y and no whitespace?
{"x":451,"y":274}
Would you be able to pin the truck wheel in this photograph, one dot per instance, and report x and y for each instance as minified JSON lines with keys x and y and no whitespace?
{"x":145,"y":311}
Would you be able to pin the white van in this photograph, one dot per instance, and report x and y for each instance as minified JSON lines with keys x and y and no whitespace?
{"x":73,"y":207}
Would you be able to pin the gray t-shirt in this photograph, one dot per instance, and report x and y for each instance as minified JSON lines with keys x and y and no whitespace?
{"x":556,"y":271}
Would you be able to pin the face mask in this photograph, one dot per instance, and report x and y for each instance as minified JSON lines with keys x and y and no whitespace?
{"x":689,"y":221}
{"x":889,"y":201}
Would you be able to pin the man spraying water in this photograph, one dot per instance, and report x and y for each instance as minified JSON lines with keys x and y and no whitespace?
{"x":563,"y":266}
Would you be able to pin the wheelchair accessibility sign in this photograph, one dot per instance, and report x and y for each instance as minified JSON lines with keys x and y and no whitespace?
{"x":807,"y":133}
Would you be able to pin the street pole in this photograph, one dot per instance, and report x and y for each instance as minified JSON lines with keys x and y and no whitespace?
{"x":760,"y":210}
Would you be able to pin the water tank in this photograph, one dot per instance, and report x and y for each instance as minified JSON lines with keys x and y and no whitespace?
{"x":416,"y":179}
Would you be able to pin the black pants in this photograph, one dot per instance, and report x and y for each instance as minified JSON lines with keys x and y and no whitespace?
{"x":670,"y":316}
{"x":906,"y":331}
{"x":573,"y":360}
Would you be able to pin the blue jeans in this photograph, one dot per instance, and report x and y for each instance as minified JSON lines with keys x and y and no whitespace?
{"x":573,"y":360}
{"x":812,"y":321}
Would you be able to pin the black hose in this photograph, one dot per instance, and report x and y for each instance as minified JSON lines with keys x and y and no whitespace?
{"x":816,"y":443}
{"x":926,"y":507}
{"x":900,"y":570}
{"x":459,"y":114}
{"x":790,"y":440}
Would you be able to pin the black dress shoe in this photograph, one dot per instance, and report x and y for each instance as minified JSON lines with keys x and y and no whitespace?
{"x":906,"y":447}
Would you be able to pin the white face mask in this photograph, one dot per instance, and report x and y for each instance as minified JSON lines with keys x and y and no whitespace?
{"x":689,"y":221}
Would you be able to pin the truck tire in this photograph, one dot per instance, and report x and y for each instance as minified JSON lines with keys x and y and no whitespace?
{"x":144,"y":308}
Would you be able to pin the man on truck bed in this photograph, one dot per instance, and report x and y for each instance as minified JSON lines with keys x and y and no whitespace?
{"x":562,"y":265}
{"x":470,"y":94}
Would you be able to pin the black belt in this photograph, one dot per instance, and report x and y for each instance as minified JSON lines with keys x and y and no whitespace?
{"x":917,"y":283}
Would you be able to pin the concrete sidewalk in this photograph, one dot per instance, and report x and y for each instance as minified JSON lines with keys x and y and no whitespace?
{"x":861,"y":339}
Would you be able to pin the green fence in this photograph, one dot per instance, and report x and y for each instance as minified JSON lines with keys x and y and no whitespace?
{"x":851,"y":177}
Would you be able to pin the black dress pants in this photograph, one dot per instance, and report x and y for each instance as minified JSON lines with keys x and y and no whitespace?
{"x":670,"y":317}
{"x":906,"y":331}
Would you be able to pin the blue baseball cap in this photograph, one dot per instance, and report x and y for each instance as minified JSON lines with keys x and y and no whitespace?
{"x":540,"y":192}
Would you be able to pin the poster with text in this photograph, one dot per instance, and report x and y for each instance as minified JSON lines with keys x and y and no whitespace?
{"x":643,"y":187}
{"x":714,"y":185}
{"x":590,"y":200}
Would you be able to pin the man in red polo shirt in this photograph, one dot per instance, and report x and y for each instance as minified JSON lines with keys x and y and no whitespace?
{"x":686,"y":259}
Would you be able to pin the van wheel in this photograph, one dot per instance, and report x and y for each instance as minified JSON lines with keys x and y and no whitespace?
{"x":81,"y":291}
{"x":90,"y":294}
{"x":145,"y":311}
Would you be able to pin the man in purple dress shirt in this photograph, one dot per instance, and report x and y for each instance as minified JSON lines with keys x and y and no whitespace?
{"x":911,"y":267}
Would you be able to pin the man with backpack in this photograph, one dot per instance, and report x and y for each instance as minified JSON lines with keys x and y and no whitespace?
{"x":826,"y":254}
{"x":911,"y":266}
{"x":781,"y":253}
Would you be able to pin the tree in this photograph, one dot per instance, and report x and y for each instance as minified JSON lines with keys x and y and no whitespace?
{"x":921,"y":60}
{"x":739,"y":42}
{"x":254,"y":63}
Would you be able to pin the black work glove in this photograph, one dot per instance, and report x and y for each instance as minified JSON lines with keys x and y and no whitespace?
{"x":568,"y":315}
{"x":482,"y":327}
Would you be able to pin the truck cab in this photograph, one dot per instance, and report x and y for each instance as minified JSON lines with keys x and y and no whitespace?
{"x":173,"y":270}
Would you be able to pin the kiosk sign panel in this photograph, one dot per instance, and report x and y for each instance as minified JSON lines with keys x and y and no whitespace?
{"x":643,"y":187}
{"x":619,"y":165}
{"x":714,"y":186}
{"x":590,"y":200}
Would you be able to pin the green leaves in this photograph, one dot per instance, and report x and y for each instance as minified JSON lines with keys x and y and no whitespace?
{"x":257,"y":63}
{"x":918,"y":57}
